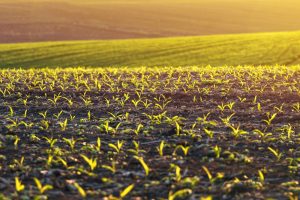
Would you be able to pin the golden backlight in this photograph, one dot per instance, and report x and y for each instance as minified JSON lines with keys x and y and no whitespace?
{"x":44,"y":20}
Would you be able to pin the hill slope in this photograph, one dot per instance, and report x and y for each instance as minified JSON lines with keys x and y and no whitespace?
{"x":241,"y":49}
{"x":59,"y":20}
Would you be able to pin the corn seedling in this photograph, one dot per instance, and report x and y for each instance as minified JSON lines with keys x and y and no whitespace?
{"x":161,"y":147}
{"x":42,"y":188}
{"x":117,"y":147}
{"x":270,"y":118}
{"x":144,"y":165}
{"x":276,"y":153}
{"x":51,"y":141}
{"x":261,"y":176}
{"x":16,"y":142}
{"x":217,"y":151}
{"x":111,"y":168}
{"x":237,"y":132}
{"x":18,"y":185}
{"x":209,"y":133}
{"x":183,"y":193}
{"x":177,"y":171}
{"x":63,"y":125}
{"x":126,"y":191}
{"x":80,"y":190}
{"x":210,"y":177}
{"x":184,"y":150}
{"x":138,"y":129}
{"x":71,"y":142}
{"x":92,"y":162}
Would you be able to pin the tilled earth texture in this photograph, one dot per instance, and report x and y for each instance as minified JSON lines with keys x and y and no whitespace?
{"x":150,"y":133}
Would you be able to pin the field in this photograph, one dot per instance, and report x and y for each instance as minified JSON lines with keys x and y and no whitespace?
{"x":49,"y":20}
{"x":150,"y":99}
{"x":238,"y":49}
{"x":150,"y":133}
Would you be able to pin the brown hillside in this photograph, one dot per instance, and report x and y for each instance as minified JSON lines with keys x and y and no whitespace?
{"x":40,"y":20}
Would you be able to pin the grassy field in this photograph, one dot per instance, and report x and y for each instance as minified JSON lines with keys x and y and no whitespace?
{"x":240,"y":49}
{"x":44,"y":20}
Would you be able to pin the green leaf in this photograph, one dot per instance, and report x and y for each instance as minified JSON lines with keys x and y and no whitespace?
{"x":142,"y":162}
{"x":80,"y":190}
{"x":126,"y":190}
{"x":180,"y":194}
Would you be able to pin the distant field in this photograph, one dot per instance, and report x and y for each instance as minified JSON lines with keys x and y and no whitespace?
{"x":240,"y":49}
{"x":42,"y":20}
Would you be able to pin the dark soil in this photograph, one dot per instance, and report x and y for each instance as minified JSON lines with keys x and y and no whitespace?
{"x":188,"y":95}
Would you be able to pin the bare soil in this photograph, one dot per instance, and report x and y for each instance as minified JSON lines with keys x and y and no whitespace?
{"x":241,"y":156}
{"x":30,"y":21}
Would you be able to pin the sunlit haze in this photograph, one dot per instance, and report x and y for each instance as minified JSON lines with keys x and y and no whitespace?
{"x":45,"y":20}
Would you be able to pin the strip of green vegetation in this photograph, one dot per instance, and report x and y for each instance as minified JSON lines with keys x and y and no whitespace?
{"x":241,"y":49}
